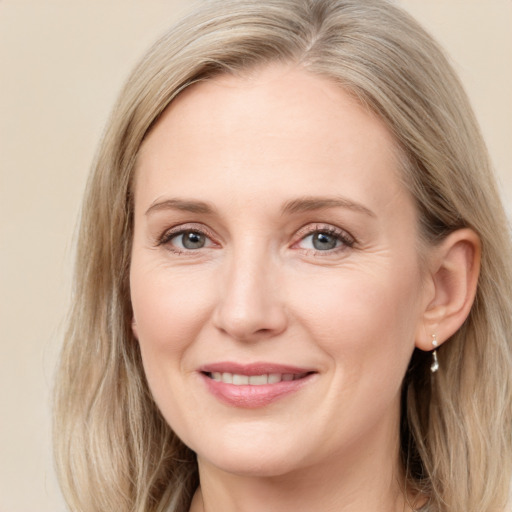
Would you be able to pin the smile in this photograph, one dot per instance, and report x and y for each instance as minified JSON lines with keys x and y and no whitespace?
{"x":238,"y":379}
{"x":255,"y":385}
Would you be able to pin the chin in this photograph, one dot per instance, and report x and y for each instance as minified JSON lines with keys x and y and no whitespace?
{"x":252,"y":465}
{"x":252,"y":458}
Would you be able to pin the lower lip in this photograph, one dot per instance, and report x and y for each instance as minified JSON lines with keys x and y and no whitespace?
{"x":252,"y":397}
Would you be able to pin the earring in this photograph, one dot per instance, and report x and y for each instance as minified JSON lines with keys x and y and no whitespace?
{"x":435,"y":363}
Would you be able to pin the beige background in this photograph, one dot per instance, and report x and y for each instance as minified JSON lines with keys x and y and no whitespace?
{"x":61,"y":65}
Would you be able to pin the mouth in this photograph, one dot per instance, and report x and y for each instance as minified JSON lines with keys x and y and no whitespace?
{"x":255,"y":385}
{"x":238,"y":379}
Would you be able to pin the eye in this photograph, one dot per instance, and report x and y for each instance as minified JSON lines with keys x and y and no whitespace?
{"x":192,"y":240}
{"x":321,"y":241}
{"x":325,"y":239}
{"x":186,"y":240}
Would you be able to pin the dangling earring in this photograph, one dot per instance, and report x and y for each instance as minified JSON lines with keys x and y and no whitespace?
{"x":435,"y":363}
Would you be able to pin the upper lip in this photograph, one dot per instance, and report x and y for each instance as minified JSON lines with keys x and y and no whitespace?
{"x":259,"y":368}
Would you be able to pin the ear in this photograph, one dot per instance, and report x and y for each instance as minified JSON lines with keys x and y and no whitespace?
{"x":454,"y":266}
{"x":134,"y":329}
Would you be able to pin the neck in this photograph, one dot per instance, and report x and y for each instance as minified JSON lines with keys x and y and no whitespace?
{"x":364,"y":478}
{"x":300,"y":494}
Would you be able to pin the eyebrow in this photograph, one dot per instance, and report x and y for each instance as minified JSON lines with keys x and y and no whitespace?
{"x":299,"y":205}
{"x":181,"y":204}
{"x":306,"y":204}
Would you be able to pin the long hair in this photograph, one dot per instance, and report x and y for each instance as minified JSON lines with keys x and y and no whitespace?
{"x":114,"y":450}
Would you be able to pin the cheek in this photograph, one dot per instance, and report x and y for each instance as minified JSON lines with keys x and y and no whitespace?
{"x":169,"y":308}
{"x":366,"y":325}
{"x":362,"y":317}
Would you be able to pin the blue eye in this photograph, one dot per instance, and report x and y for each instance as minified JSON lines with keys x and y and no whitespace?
{"x":192,"y":240}
{"x":186,"y":240}
{"x":325,"y":240}
{"x":320,"y":241}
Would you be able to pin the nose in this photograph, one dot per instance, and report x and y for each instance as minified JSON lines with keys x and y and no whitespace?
{"x":250,"y":307}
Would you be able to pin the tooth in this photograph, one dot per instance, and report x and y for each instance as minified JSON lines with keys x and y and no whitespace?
{"x":240,"y":379}
{"x":274,"y":378}
{"x":227,"y":378}
{"x":217,"y":376}
{"x":287,"y":376}
{"x":257,"y":380}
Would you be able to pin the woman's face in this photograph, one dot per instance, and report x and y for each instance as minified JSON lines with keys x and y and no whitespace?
{"x":275,"y":278}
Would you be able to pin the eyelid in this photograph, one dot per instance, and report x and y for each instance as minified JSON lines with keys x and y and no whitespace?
{"x":344,"y":236}
{"x":174,"y":231}
{"x":347,"y":240}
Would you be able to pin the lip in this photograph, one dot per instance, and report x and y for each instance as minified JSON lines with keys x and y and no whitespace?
{"x":251,"y":369}
{"x":253,"y":396}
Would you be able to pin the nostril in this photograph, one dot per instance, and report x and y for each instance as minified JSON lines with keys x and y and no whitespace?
{"x":248,"y":310}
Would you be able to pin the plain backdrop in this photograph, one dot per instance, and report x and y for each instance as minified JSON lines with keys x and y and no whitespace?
{"x":62,"y":63}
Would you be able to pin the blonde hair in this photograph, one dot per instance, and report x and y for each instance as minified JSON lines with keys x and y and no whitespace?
{"x":114,"y":450}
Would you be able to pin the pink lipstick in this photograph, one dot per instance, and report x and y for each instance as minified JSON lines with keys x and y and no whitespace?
{"x":253,"y":385}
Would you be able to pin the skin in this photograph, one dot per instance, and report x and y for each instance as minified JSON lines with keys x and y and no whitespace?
{"x":258,"y":290}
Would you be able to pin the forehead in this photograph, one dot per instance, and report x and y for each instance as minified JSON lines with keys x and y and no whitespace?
{"x":275,"y":127}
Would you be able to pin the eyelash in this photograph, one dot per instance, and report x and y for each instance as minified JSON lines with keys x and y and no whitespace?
{"x":168,"y":235}
{"x":346,"y":240}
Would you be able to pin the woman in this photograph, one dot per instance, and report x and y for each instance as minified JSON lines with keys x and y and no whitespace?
{"x":293,"y":277}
